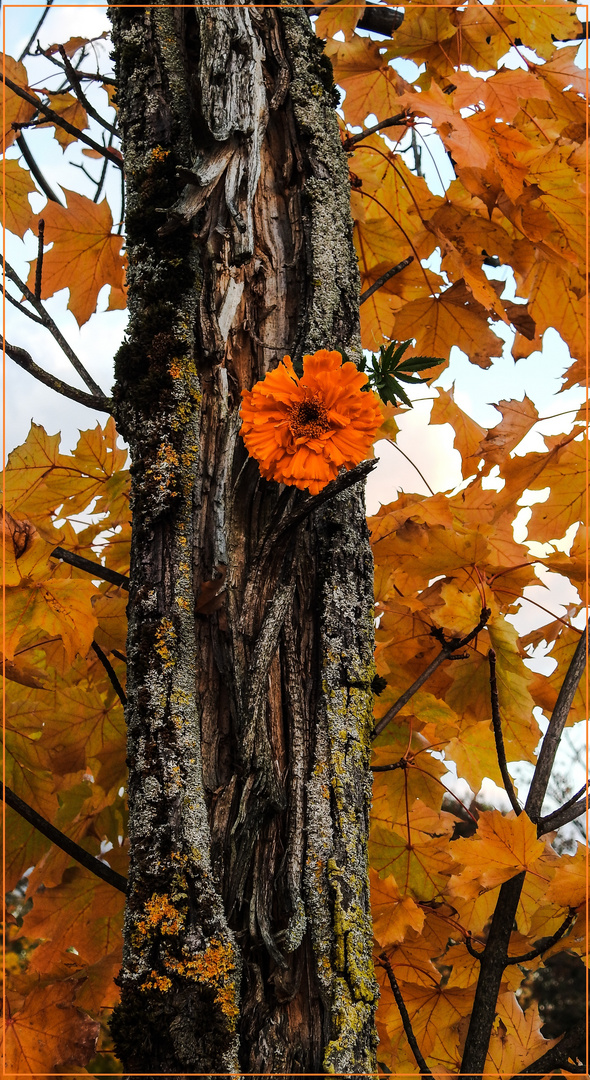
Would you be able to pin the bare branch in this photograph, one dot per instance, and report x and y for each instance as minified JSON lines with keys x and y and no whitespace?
{"x":39,"y":268}
{"x":60,"y":122}
{"x":385,"y":278}
{"x":23,"y":146}
{"x":55,"y":332}
{"x":388,"y":768}
{"x":96,"y":569}
{"x":75,"y":81}
{"x":405,"y":1017}
{"x":498,"y":736}
{"x":89,"y":862}
{"x":400,"y":120}
{"x":26,"y":362}
{"x":548,"y":943}
{"x":112,"y":674}
{"x":566,"y":813}
{"x":313,"y":502}
{"x":447,"y":651}
{"x":25,"y":51}
{"x":23,"y":310}
{"x":553,"y":734}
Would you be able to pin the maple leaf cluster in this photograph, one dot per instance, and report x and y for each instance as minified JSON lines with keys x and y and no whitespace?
{"x":449,"y":573}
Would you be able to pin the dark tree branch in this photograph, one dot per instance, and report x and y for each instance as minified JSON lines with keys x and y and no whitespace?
{"x":405,"y":1017}
{"x":23,"y":310}
{"x":25,"y":51}
{"x":388,"y":768}
{"x":112,"y":674}
{"x":89,"y":862}
{"x":75,"y":82}
{"x":96,"y":569}
{"x":23,"y":146}
{"x":448,"y":649}
{"x":55,"y":118}
{"x":385,"y":278}
{"x":569,"y":812}
{"x":572,"y":1045}
{"x":55,"y":332}
{"x":39,"y":268}
{"x":492,"y":964}
{"x":399,"y":120}
{"x":26,"y":362}
{"x":548,"y":943}
{"x":552,"y":737}
{"x":498,"y":736}
{"x":313,"y":502}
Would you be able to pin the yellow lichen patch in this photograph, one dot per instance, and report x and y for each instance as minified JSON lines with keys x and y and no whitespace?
{"x":160,"y":912}
{"x":215,"y":968}
{"x":159,"y":154}
{"x":157,"y":982}
{"x":165,"y":641}
{"x":175,"y":369}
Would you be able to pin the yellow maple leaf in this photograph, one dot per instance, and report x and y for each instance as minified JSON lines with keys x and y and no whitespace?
{"x":85,"y":255}
{"x":502,"y":848}
{"x":16,"y":110}
{"x":19,"y":186}
{"x":453,"y":319}
{"x":393,"y":914}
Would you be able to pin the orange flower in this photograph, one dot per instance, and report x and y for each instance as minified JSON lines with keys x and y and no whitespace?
{"x":302,"y":431}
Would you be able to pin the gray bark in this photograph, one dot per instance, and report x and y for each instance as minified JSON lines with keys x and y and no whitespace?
{"x":250,"y":651}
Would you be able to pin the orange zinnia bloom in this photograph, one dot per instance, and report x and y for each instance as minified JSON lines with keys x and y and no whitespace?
{"x":303,"y":430}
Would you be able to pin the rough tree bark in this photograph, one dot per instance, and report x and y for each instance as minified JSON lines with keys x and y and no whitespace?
{"x":250,"y":649}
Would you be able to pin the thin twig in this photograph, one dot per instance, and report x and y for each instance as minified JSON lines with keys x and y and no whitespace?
{"x":412,"y":463}
{"x":388,"y":768}
{"x":55,"y":332}
{"x":39,"y":268}
{"x":385,"y":278}
{"x":59,"y":121}
{"x":400,"y":120}
{"x":89,"y":862}
{"x":96,"y":569}
{"x":476,"y":953}
{"x":75,"y":82}
{"x":112,"y":674}
{"x":498,"y":736}
{"x":23,"y":310}
{"x":407,"y":1023}
{"x":25,"y":51}
{"x":548,"y":943}
{"x":447,"y":651}
{"x":26,"y":362}
{"x":36,"y":171}
{"x":553,"y":734}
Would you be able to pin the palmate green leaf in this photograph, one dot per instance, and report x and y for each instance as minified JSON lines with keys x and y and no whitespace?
{"x":388,"y":370}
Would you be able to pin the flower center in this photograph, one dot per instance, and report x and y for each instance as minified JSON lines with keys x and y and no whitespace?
{"x":309,"y":418}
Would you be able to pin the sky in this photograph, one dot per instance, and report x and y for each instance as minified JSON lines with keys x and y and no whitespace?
{"x":429,"y":449}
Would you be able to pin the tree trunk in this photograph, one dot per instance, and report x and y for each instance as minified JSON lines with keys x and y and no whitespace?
{"x":250,"y":650}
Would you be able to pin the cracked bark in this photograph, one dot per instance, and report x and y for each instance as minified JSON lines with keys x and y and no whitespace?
{"x":248,"y":934}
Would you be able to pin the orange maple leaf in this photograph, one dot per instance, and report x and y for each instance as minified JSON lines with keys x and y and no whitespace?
{"x":85,"y":255}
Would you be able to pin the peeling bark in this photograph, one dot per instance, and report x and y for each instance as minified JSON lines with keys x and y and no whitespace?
{"x":250,"y":652}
